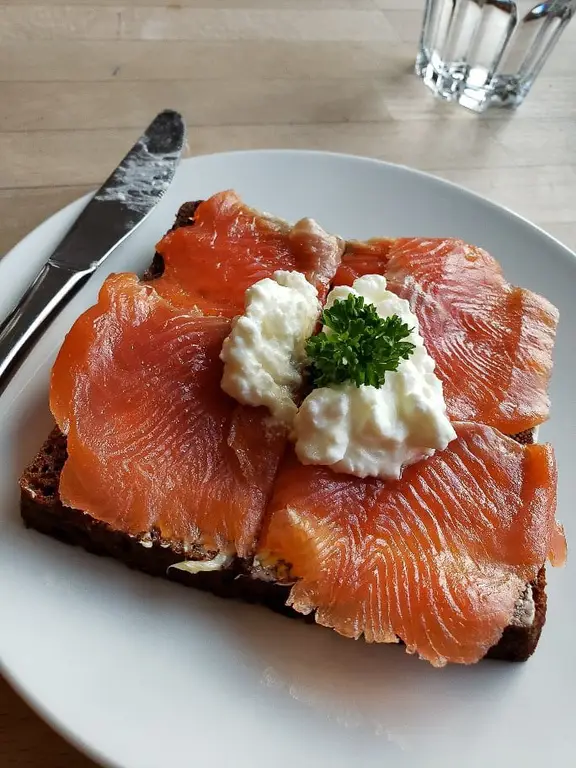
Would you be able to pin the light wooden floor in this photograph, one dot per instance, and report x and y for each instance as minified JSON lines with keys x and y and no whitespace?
{"x":79,"y":78}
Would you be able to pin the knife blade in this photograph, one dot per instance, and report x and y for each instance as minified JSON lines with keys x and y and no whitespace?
{"x":121,"y":204}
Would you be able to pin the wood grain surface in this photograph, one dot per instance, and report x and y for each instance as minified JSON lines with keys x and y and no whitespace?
{"x":80,"y":78}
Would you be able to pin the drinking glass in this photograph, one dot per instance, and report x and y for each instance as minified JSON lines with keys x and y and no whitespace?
{"x":488,"y":52}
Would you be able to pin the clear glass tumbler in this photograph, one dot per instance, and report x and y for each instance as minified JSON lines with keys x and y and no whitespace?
{"x":488,"y":52}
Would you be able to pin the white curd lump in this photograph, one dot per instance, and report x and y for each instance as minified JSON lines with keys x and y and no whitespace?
{"x":370,"y":432}
{"x":198,"y":566}
{"x":265,"y":351}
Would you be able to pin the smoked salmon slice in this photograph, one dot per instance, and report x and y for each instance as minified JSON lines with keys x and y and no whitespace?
{"x":154,"y":444}
{"x":492,"y":342}
{"x":230,"y":247}
{"x":368,"y":257}
{"x":438,"y":559}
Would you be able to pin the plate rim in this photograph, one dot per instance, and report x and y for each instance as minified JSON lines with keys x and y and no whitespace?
{"x":9,"y":255}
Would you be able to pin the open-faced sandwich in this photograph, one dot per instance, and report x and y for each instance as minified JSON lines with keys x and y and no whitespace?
{"x":338,"y":430}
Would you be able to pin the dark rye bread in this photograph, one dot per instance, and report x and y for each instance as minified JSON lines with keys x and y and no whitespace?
{"x":42,"y":510}
{"x":184,"y":218}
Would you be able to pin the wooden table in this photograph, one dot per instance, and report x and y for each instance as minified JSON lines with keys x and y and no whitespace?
{"x":79,"y":79}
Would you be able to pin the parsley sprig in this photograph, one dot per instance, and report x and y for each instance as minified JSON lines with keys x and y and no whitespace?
{"x":360,"y":346}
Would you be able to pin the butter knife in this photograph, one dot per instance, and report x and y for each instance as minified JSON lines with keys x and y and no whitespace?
{"x":118,"y":207}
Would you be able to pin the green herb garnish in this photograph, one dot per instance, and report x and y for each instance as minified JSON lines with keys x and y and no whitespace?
{"x":360,"y":346}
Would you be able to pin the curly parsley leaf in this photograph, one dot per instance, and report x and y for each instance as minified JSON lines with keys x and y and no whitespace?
{"x":360,"y":346}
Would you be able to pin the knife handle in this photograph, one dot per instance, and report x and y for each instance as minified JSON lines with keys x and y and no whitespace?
{"x":53,"y":286}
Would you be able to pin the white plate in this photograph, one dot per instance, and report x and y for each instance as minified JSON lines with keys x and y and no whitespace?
{"x":146,"y":674}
